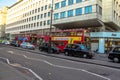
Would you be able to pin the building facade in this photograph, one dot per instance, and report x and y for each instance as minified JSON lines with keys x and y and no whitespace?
{"x":3,"y":13}
{"x":95,"y":14}
{"x":34,"y":15}
{"x":28,"y":16}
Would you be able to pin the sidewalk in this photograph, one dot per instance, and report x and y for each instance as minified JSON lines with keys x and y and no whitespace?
{"x":9,"y":73}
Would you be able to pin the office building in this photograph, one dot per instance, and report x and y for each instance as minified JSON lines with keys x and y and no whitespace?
{"x":34,"y":15}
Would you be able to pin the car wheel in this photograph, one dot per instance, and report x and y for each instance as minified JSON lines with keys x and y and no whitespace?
{"x":85,"y":55}
{"x":40,"y":49}
{"x":66,"y":53}
{"x":115,"y":59}
{"x":90,"y":57}
{"x":51,"y":51}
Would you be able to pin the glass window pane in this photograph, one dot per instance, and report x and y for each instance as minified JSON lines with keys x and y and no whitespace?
{"x":78,"y":11}
{"x":77,"y":1}
{"x":63,"y":3}
{"x":70,"y":13}
{"x":70,"y":2}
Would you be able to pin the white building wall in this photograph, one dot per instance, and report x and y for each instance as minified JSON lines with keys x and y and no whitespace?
{"x":17,"y":12}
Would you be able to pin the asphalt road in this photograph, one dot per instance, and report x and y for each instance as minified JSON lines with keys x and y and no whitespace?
{"x":51,"y":68}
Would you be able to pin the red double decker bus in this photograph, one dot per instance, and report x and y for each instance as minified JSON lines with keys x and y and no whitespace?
{"x":63,"y":37}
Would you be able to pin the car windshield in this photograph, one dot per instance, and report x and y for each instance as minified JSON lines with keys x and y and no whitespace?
{"x":83,"y":47}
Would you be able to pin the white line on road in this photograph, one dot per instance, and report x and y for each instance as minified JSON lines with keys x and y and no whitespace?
{"x":49,"y":63}
{"x":83,"y":63}
{"x":69,"y":68}
{"x":83,"y":71}
{"x":8,"y":62}
{"x":11,"y":52}
{"x":30,"y":71}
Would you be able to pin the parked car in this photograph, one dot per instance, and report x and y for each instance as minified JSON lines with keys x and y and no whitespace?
{"x":27,"y":45}
{"x":6,"y":42}
{"x":78,"y":50}
{"x":114,"y":54}
{"x":15,"y":43}
{"x":45,"y":47}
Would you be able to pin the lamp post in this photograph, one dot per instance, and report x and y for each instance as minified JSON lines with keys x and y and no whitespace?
{"x":51,"y":17}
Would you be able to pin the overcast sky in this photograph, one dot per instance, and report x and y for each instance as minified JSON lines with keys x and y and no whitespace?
{"x":6,"y":3}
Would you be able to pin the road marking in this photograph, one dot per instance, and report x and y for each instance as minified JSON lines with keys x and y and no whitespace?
{"x":62,"y":59}
{"x":8,"y":62}
{"x":69,"y":68}
{"x":11,"y":52}
{"x":83,"y":71}
{"x":84,"y":63}
{"x":49,"y":63}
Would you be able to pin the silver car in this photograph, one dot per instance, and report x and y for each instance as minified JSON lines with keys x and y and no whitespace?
{"x":27,"y":45}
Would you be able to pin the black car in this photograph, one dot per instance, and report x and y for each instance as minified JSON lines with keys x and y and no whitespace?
{"x":114,"y":54}
{"x":45,"y":47}
{"x":15,"y":43}
{"x":78,"y":50}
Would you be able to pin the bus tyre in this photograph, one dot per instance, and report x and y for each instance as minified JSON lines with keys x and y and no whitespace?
{"x":115,"y":59}
{"x":66,"y":53}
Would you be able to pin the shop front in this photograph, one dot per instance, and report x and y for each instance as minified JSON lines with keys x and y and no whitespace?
{"x":102,"y":42}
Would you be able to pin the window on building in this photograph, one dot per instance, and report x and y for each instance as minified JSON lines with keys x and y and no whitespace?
{"x":44,"y":15}
{"x":31,"y":25}
{"x":45,"y":7}
{"x":41,"y":23}
{"x":37,"y":16}
{"x":88,"y":9}
{"x":34,"y":24}
{"x":44,"y":23}
{"x":70,"y":13}
{"x":32,"y":11}
{"x":56,"y":16}
{"x":41,"y":8}
{"x":78,"y":11}
{"x":48,"y":14}
{"x":78,"y":1}
{"x":37,"y":23}
{"x":35,"y":10}
{"x":41,"y":15}
{"x":48,"y":22}
{"x":70,"y":2}
{"x":56,"y":5}
{"x":38,"y":9}
{"x":34,"y":17}
{"x":63,"y":14}
{"x":63,"y":3}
